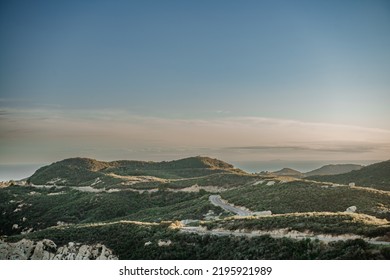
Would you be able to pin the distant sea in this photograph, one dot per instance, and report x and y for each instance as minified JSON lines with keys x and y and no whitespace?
{"x":21,"y":171}
{"x":17,"y":171}
{"x":302,"y":166}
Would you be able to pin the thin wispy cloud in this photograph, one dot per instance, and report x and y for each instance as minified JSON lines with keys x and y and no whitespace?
{"x":54,"y":133}
{"x":319,"y":147}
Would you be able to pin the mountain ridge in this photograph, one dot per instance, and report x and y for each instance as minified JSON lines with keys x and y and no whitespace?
{"x":329,"y":169}
{"x":333,"y":169}
{"x":288,"y":172}
{"x":376,"y":175}
{"x":78,"y":170}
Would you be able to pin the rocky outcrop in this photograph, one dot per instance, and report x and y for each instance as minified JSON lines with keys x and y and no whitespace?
{"x":47,"y":250}
{"x":351,"y":209}
{"x":164,"y":243}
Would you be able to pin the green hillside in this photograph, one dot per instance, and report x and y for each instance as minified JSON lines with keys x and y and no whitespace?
{"x":83,"y":171}
{"x":128,"y":241}
{"x":375,"y":175}
{"x":333,"y":169}
{"x":317,"y":222}
{"x":125,"y":204}
{"x":74,"y":171}
{"x":301,"y":196}
{"x":40,"y":208}
{"x":288,"y":172}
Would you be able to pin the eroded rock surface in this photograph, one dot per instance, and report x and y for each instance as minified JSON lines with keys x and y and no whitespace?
{"x":47,"y":250}
{"x":351,"y":209}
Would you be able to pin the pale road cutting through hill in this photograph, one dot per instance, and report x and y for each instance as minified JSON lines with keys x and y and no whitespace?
{"x":279,"y":233}
{"x":217,"y":201}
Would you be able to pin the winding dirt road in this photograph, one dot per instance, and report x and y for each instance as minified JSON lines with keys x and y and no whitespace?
{"x":217,"y":201}
{"x":277,"y":233}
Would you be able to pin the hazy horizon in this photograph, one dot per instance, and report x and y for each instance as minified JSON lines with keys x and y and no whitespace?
{"x":21,"y":171}
{"x":259,"y":81}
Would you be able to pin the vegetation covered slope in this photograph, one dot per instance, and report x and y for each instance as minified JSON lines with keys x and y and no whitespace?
{"x":316,"y":222}
{"x":73,"y":171}
{"x":302,"y":196}
{"x":375,"y":175}
{"x":330,"y":169}
{"x":135,"y":241}
{"x":288,"y":172}
{"x":29,"y":207}
{"x":119,"y":192}
{"x":333,"y":169}
{"x":83,"y":171}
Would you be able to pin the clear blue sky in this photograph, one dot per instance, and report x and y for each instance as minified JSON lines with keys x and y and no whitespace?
{"x":306,"y":61}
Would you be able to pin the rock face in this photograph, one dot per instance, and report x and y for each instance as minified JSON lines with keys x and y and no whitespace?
{"x":351,"y":209}
{"x":164,"y":243}
{"x":47,"y":250}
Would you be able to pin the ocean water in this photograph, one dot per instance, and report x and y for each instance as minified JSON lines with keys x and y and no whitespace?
{"x":17,"y":171}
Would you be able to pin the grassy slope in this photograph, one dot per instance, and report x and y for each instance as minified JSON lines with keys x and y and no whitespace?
{"x":301,"y":196}
{"x":223,"y":180}
{"x":333,"y":169}
{"x":320,"y":223}
{"x":42,"y":210}
{"x":81,"y":171}
{"x":375,"y":175}
{"x":288,"y":172}
{"x":127,"y":241}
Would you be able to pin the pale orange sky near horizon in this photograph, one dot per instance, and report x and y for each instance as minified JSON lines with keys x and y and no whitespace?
{"x":32,"y":136}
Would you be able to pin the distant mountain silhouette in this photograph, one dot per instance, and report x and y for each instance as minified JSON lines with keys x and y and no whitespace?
{"x":288,"y":172}
{"x":80,"y":171}
{"x":333,"y":169}
{"x":376,"y":175}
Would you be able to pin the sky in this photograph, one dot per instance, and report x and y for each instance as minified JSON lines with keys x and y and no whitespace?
{"x":160,"y":80}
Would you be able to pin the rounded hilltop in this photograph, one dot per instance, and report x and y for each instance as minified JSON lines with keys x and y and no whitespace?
{"x":83,"y":171}
{"x":200,"y":162}
{"x":85,"y":163}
